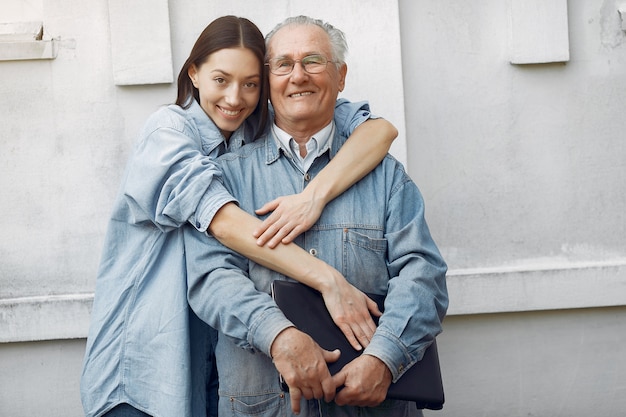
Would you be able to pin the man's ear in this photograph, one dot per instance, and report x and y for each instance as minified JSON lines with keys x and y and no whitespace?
{"x":193,"y":75}
{"x":343,"y":70}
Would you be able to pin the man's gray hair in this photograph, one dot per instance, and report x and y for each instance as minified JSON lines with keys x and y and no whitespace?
{"x":338,"y":44}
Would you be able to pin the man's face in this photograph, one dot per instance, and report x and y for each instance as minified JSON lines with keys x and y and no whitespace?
{"x":304,"y":102}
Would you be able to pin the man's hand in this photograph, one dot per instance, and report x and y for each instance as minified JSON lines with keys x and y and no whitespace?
{"x":291,"y":215}
{"x":302,"y":364}
{"x":363,"y":382}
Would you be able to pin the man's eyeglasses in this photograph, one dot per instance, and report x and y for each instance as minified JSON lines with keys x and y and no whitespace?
{"x":313,"y":64}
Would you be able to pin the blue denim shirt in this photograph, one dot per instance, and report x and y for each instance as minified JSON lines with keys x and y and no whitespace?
{"x":145,"y":346}
{"x":375,"y":234}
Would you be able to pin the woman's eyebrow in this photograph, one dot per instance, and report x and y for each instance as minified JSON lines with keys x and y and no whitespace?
{"x":228,"y":74}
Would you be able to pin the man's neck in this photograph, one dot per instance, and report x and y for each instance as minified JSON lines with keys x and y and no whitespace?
{"x":301,"y":132}
{"x":316,"y":143}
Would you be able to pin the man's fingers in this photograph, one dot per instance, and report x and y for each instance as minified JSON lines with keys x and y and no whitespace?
{"x":327,"y":385}
{"x":339,"y":380}
{"x":310,"y":393}
{"x":295,"y":394}
{"x":331,"y":356}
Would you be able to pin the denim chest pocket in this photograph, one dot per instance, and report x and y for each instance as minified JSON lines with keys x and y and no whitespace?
{"x":271,"y":404}
{"x":364,"y":259}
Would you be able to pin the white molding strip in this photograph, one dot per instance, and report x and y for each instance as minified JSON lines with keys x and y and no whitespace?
{"x":552,"y":287}
{"x":29,"y":50}
{"x":45,"y":317}
{"x":25,"y":41}
{"x":478,"y":291}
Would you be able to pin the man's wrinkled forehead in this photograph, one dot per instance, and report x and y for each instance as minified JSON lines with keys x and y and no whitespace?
{"x":295,"y":41}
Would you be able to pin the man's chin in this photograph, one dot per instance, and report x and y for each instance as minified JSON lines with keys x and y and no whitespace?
{"x":297,"y":109}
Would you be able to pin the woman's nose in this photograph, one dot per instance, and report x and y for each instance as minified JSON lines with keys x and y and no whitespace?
{"x":233,"y":95}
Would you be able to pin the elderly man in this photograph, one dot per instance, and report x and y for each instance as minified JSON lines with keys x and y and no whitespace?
{"x":374,"y":233}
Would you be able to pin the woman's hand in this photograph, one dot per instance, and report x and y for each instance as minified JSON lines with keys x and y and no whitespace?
{"x":351,"y":311}
{"x":291,"y":215}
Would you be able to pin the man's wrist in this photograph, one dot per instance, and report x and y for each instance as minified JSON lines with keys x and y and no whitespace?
{"x":379,"y":362}
{"x":277,"y":343}
{"x":387,"y":349}
{"x":266,"y":328}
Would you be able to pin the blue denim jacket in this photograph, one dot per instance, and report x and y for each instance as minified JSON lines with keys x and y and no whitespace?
{"x":375,"y":234}
{"x":145,"y":346}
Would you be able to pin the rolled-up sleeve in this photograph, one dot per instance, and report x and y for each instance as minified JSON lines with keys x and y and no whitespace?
{"x":170,"y":180}
{"x":350,"y":115}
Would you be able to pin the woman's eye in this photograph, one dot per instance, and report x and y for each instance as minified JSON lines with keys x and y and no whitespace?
{"x":220,"y":80}
{"x":250,"y":85}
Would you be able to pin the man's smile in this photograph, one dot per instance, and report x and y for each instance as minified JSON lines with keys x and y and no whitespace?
{"x":301,"y":94}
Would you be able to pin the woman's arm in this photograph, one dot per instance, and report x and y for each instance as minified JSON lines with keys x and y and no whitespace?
{"x":293,"y":214}
{"x":348,"y":306}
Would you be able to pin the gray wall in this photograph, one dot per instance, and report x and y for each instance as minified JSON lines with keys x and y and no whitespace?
{"x":522,"y":168}
{"x":521,"y":164}
{"x":544,"y":364}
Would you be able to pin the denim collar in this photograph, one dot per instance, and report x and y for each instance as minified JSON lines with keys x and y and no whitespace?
{"x":272,"y":146}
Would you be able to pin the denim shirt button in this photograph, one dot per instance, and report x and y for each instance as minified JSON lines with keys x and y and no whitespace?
{"x":313,"y":251}
{"x":198,"y":225}
{"x":307,"y":177}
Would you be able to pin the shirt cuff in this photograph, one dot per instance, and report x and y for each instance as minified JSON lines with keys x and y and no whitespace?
{"x":265,"y":330}
{"x":392,"y":352}
{"x":214,"y":198}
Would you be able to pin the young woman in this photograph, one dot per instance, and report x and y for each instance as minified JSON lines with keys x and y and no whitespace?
{"x":147,"y":353}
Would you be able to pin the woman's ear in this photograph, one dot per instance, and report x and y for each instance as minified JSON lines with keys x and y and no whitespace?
{"x":193,"y":75}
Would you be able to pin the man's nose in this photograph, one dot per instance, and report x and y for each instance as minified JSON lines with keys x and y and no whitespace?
{"x":298,"y":72}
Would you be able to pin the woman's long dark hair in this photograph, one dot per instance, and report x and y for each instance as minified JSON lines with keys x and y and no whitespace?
{"x":227,"y":32}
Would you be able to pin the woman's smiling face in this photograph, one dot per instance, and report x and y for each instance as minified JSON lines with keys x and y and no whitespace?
{"x":229,"y":86}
